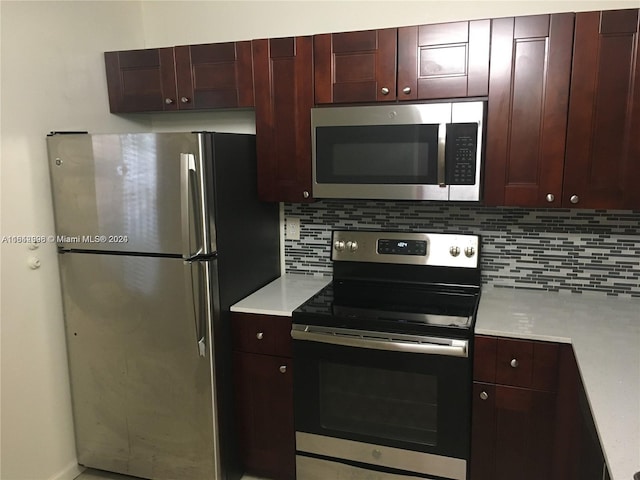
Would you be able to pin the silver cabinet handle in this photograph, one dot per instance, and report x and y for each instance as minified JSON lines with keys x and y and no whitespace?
{"x":484,"y":395}
{"x":384,"y":90}
{"x":550,"y":197}
{"x":283,"y":369}
{"x":574,"y":199}
{"x":184,"y":99}
{"x":406,"y":90}
{"x":259,"y":335}
{"x":168,"y":101}
{"x":514,"y":363}
{"x":305,"y":194}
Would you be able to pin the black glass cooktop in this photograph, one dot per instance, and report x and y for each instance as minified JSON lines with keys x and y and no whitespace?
{"x":393,"y":307}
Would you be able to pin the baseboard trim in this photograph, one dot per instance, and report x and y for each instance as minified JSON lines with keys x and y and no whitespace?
{"x":70,"y":472}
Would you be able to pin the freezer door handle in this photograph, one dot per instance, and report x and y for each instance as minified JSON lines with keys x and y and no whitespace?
{"x":197,"y":301}
{"x":192,"y":207}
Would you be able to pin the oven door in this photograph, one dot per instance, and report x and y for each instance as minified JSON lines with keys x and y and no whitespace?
{"x":396,"y":406}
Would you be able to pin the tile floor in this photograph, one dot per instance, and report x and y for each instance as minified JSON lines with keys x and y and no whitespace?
{"x":90,"y":474}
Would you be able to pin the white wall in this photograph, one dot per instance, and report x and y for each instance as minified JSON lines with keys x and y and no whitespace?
{"x":52,"y":78}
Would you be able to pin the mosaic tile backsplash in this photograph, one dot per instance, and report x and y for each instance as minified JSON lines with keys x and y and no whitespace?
{"x":576,"y":251}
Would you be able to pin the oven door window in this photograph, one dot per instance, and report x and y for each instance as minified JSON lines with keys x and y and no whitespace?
{"x":377,"y":154}
{"x":406,"y":400}
{"x":380,"y":403}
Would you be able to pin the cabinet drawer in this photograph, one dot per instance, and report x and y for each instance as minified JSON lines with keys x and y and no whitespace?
{"x":519,"y":363}
{"x":263,"y":334}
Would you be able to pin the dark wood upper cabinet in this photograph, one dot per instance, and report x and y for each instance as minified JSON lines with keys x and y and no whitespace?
{"x":409,"y":63}
{"x":355,"y":66}
{"x":283,"y":72}
{"x":602,"y":168}
{"x":216,"y":75}
{"x":527,"y":109}
{"x":443,"y":61}
{"x":141,"y":80}
{"x":180,"y":78}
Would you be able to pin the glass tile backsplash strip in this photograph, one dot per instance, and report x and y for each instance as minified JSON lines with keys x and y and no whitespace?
{"x":544,"y":249}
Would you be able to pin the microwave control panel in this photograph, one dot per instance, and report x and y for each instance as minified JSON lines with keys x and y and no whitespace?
{"x":461,"y":152}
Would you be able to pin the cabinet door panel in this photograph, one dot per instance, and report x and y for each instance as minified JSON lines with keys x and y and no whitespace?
{"x":141,"y":80}
{"x":524,"y":429}
{"x":217,"y":75}
{"x":264,"y":407}
{"x":603,"y":146}
{"x":443,"y":60}
{"x":355,"y":66}
{"x":528,"y":102}
{"x":283,"y":71}
{"x":483,"y":432}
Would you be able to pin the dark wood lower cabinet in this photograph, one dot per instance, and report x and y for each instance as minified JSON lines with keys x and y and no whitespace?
{"x":539,"y":430}
{"x":264,"y":405}
{"x":263,"y":393}
{"x":512,"y":427}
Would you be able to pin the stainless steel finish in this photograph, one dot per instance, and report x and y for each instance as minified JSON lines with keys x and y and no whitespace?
{"x":384,"y":90}
{"x":406,"y":90}
{"x":434,"y":113}
{"x":574,"y":199}
{"x":194,"y":287}
{"x":260,"y":335}
{"x":514,"y":363}
{"x":106,"y":192}
{"x":381,"y":341}
{"x":550,"y":197}
{"x":339,"y":245}
{"x":469,"y":251}
{"x":168,"y":101}
{"x":454,"y":251}
{"x":184,"y":99}
{"x":283,"y":369}
{"x":352,"y":246}
{"x":305,"y":194}
{"x":419,"y":462}
{"x":438,"y":248}
{"x":309,"y":468}
{"x":484,"y":395}
{"x":424,"y":318}
{"x":129,"y":344}
{"x":442,"y":138}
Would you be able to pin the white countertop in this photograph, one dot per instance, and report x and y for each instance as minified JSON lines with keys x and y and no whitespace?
{"x":605,"y":334}
{"x":282,"y":296}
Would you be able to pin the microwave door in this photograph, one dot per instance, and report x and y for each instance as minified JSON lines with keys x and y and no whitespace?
{"x":399,"y":161}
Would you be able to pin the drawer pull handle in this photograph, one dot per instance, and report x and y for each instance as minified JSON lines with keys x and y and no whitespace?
{"x":259,"y":335}
{"x":283,"y":369}
{"x":484,"y":395}
{"x":514,"y":363}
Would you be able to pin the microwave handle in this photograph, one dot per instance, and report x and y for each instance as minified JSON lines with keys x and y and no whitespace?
{"x":442,"y":144}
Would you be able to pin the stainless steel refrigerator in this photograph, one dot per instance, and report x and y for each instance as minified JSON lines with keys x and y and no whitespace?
{"x":158,"y":235}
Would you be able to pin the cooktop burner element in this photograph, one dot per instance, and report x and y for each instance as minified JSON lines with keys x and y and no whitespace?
{"x":413,"y":283}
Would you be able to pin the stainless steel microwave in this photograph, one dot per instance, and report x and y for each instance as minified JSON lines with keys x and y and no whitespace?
{"x":404,"y":152}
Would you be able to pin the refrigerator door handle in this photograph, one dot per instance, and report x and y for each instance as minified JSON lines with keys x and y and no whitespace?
{"x":197,"y":303}
{"x":192,"y":207}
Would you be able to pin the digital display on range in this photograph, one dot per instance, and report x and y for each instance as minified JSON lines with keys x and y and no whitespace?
{"x":402,"y":247}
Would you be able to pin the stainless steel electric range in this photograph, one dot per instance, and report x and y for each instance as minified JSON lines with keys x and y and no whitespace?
{"x":382,"y":355}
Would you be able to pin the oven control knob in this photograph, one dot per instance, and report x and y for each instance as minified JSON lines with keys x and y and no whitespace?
{"x":469,"y":251}
{"x":454,"y":251}
{"x":339,"y":245}
{"x":353,"y":246}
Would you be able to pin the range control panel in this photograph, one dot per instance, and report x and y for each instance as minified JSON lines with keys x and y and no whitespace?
{"x":432,"y":249}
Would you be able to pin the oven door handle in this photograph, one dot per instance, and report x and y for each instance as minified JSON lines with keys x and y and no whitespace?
{"x":454,"y":348}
